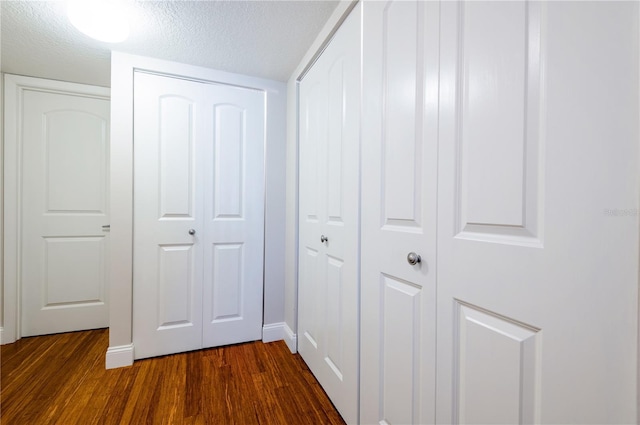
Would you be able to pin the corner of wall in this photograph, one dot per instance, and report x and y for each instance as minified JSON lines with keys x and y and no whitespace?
{"x":121,"y":202}
{"x":275,"y":206}
{"x":1,"y":202}
{"x":1,"y":195}
{"x":119,"y":356}
{"x":637,"y":28}
{"x":291,"y":339}
{"x":273,"y":332}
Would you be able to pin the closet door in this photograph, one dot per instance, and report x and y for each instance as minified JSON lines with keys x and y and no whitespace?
{"x":233,"y":228}
{"x":198,"y":215}
{"x":328,"y":270}
{"x":399,"y":182}
{"x":537,"y":259}
{"x":170,"y":126}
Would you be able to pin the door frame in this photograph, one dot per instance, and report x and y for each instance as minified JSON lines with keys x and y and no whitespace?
{"x":14,"y":88}
{"x":123,"y":66}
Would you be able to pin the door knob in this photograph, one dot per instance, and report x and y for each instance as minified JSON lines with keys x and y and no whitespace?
{"x":192,"y":232}
{"x":413,"y":258}
{"x":324,"y":239}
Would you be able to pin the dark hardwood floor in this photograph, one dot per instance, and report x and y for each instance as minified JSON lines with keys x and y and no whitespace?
{"x":61,"y":379}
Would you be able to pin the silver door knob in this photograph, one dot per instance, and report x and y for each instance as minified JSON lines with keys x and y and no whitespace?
{"x":192,"y":232}
{"x":413,"y":258}
{"x":324,"y":239}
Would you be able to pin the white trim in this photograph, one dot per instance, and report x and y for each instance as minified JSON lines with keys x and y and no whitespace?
{"x":1,"y":335}
{"x":14,"y":87}
{"x":119,"y":356}
{"x":10,"y":219}
{"x":291,"y":339}
{"x":273,"y":332}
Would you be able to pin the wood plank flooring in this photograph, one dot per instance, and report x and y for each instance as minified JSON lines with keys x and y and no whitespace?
{"x":61,"y":379}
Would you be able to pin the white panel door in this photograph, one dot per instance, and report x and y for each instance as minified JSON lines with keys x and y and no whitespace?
{"x":399,"y":183}
{"x":537,"y":279}
{"x":198,"y":214}
{"x":168,"y":205}
{"x":233,"y":238}
{"x":65,"y":175}
{"x":328,"y":270}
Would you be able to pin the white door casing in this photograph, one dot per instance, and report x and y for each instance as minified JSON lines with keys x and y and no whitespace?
{"x":537,"y":285}
{"x":56,"y":256}
{"x":328,"y":272}
{"x":399,"y":187}
{"x":198,"y":214}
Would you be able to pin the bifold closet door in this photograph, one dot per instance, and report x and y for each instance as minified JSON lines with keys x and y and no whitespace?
{"x":399,"y":189}
{"x":499,"y":161}
{"x":198,"y":214}
{"x":537,"y":276}
{"x":329,"y":173}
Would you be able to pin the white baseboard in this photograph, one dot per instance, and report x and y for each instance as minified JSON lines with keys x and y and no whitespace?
{"x":119,"y":356}
{"x":7,"y":337}
{"x":291,"y":339}
{"x":280,"y":331}
{"x":273,"y":332}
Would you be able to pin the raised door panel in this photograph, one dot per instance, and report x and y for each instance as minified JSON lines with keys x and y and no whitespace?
{"x":497,"y":368}
{"x":230,"y":143}
{"x":176,"y":149}
{"x":498,"y":123}
{"x":312,"y":145}
{"x":73,"y":271}
{"x":311,"y":302}
{"x":400,"y":352}
{"x":76,"y":151}
{"x":227,"y":292}
{"x":401,"y":115}
{"x":335,"y":165}
{"x":334,"y":320}
{"x":175,"y":286}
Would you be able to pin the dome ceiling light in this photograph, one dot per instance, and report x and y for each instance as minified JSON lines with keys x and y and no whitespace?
{"x":104,"y":20}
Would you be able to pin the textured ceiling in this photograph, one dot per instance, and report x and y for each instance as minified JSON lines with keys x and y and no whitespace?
{"x":259,"y":38}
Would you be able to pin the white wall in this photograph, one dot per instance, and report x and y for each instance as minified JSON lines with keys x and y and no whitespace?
{"x":291,"y":241}
{"x":1,"y":197}
{"x":120,"y":352}
{"x":1,"y":205}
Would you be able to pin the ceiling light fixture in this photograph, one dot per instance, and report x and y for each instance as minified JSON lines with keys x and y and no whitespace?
{"x":104,"y":20}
